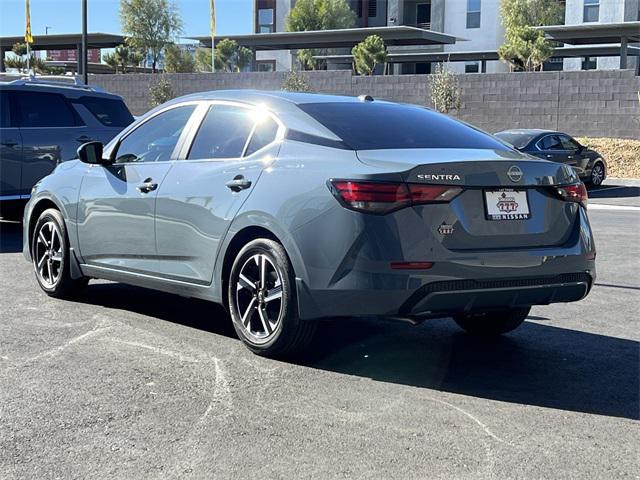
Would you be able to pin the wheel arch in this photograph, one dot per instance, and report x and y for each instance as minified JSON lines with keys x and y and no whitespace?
{"x":242,"y":234}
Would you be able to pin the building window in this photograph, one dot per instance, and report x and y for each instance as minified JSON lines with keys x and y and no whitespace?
{"x":473,"y":13}
{"x":554,"y":64}
{"x":372,"y":8}
{"x":266,"y":65}
{"x":472,"y":67}
{"x":591,"y":10}
{"x":266,"y":18}
{"x":423,"y":15}
{"x":589,"y":63}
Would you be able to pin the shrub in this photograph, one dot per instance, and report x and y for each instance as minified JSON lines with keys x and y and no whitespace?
{"x":160,"y":91}
{"x":296,"y":82}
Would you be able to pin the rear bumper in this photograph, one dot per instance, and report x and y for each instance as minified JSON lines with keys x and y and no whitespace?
{"x":448,"y":297}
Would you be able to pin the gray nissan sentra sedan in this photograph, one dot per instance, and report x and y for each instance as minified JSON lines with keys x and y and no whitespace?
{"x":288,"y":208}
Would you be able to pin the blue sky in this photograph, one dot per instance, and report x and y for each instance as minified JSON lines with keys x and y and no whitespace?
{"x":64,"y":16}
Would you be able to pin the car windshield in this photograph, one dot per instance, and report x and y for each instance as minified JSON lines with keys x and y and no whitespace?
{"x":378,"y":126}
{"x":517,"y":139}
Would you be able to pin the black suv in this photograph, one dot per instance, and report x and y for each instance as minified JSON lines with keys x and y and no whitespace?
{"x":42,"y":123}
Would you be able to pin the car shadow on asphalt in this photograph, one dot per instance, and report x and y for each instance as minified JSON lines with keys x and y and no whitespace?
{"x":537,"y":364}
{"x":613,"y":191}
{"x":10,"y":237}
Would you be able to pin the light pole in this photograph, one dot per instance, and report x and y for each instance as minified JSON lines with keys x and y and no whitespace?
{"x":85,"y":74}
{"x":46,"y":30}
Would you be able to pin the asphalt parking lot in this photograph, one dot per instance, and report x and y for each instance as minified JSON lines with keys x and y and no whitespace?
{"x":131,"y":383}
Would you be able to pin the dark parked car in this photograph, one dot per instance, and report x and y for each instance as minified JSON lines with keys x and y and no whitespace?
{"x":287,"y":208}
{"x":43,"y":123}
{"x":559,"y":147}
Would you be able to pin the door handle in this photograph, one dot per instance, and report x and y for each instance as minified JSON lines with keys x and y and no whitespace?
{"x":84,"y":139}
{"x":238,"y":183}
{"x":569,"y":156}
{"x":147,"y":186}
{"x":549,"y":156}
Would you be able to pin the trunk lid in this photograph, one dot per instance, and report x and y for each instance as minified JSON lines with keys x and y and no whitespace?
{"x":493,"y":182}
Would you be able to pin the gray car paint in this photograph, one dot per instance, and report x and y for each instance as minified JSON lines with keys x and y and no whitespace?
{"x":340,"y":257}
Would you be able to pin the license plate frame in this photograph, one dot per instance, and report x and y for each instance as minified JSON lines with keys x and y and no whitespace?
{"x":506,"y":204}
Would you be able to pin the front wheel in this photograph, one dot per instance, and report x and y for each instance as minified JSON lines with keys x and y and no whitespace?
{"x":262,"y":301}
{"x":492,"y":322}
{"x":50,"y":254}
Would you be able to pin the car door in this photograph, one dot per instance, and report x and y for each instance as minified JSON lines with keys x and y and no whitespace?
{"x":551,"y":148}
{"x":204,"y":190}
{"x":51,"y":132}
{"x":10,"y":153}
{"x":116,"y":208}
{"x":574,"y":155}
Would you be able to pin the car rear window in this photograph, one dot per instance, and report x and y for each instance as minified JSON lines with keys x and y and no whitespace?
{"x":380,"y":126}
{"x":109,"y":111}
{"x":517,"y":139}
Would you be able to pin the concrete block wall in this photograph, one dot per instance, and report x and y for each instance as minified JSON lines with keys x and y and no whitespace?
{"x":593,"y":103}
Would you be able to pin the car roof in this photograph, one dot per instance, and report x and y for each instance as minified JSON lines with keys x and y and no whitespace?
{"x":67,"y":89}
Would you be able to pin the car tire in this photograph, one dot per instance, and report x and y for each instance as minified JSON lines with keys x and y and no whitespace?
{"x":492,"y":322}
{"x":51,"y":256}
{"x":598,"y":175}
{"x":262,"y":301}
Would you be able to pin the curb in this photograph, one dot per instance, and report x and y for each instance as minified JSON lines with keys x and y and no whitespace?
{"x":622,"y":182}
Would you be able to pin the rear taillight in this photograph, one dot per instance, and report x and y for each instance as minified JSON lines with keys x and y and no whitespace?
{"x":385,"y":197}
{"x":576,"y":192}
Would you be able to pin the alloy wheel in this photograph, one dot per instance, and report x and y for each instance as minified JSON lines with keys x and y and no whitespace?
{"x":48,"y":254}
{"x":259,"y":297}
{"x":597,"y":174}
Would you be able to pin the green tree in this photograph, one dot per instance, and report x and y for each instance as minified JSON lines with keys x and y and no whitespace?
{"x":230,"y":57}
{"x":160,"y":91}
{"x":445,"y":89}
{"x":203,"y":59}
{"x":369,"y":53}
{"x":20,"y":49}
{"x":177,"y":60}
{"x":296,"y":82}
{"x":150,"y":25}
{"x":19,"y":61}
{"x":318,"y":15}
{"x":525,"y":48}
{"x":123,"y":58}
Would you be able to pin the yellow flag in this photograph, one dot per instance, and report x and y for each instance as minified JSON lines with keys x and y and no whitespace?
{"x":213,"y":18}
{"x":27,"y":33}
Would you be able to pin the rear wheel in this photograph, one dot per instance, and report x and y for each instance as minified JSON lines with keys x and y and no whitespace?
{"x":492,"y":322}
{"x":262,"y":301}
{"x":597,"y":175}
{"x":50,"y":254}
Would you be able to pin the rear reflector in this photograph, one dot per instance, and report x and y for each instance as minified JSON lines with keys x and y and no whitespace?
{"x":576,"y":192}
{"x":385,"y":197}
{"x":411,"y":265}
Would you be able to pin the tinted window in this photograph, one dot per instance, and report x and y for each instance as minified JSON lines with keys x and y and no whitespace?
{"x":108,"y":111}
{"x":38,"y":109}
{"x":264,"y":134}
{"x":376,"y":125}
{"x":517,"y":139}
{"x":5,"y":116}
{"x":155,"y":140}
{"x":568,"y":143}
{"x":223,"y":133}
{"x":551,"y":142}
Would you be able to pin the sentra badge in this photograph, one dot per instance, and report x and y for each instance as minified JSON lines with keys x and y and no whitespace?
{"x":447,"y":176}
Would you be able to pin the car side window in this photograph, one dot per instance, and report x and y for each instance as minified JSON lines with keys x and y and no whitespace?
{"x":568,"y":143}
{"x":5,"y":111}
{"x":551,"y":142}
{"x":264,"y":133}
{"x":155,"y":139}
{"x":39,"y":109}
{"x":222,"y":134}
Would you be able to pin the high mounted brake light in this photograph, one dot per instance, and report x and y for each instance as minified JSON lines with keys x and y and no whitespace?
{"x":576,"y":192}
{"x":385,"y":197}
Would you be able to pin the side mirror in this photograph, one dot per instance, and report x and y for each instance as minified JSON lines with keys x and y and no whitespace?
{"x":581,"y":148}
{"x":91,"y":153}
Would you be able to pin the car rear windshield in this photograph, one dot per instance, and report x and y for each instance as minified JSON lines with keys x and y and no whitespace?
{"x":109,"y":111}
{"x":517,"y":139}
{"x":379,"y":126}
